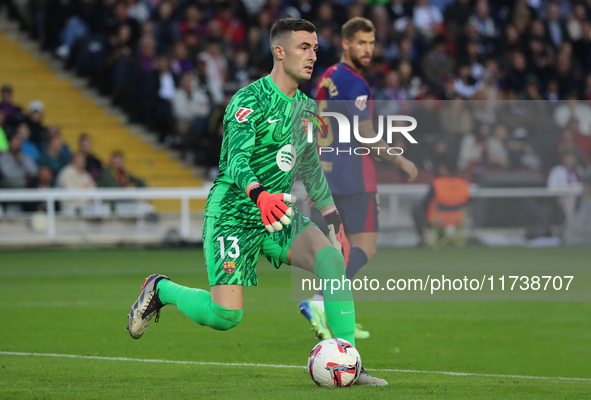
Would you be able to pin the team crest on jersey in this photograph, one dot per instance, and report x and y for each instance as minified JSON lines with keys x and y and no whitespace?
{"x":229,"y":267}
{"x":361,"y":102}
{"x":242,"y":113}
{"x":305,"y":123}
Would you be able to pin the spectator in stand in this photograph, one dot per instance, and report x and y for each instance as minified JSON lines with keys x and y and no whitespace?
{"x":39,"y":133}
{"x":327,"y":52}
{"x":518,"y":71}
{"x":498,"y":155}
{"x":456,"y":119}
{"x":116,"y":175}
{"x":427,"y":18}
{"x":3,"y":137}
{"x":138,"y":84}
{"x":393,"y":91}
{"x":575,"y":22}
{"x":94,"y":166}
{"x":564,"y":175}
{"x":457,"y":14}
{"x":193,"y":45}
{"x":437,"y":64}
{"x":28,"y":148}
{"x":521,"y":153}
{"x":465,"y":84}
{"x":477,"y":153}
{"x":74,"y":176}
{"x":555,"y":27}
{"x":65,"y":152}
{"x":568,"y":143}
{"x":580,"y":140}
{"x":121,"y":17}
{"x":180,"y":62}
{"x":191,"y":108}
{"x":399,"y":9}
{"x":574,"y":109}
{"x":552,"y":91}
{"x":43,"y":181}
{"x":138,"y":10}
{"x":53,"y":157}
{"x":564,"y":73}
{"x":166,"y":28}
{"x":216,"y":67}
{"x":232,"y":26}
{"x":193,"y":22}
{"x":440,"y":155}
{"x":117,"y":62}
{"x":16,"y":169}
{"x":482,"y":21}
{"x":240,"y":72}
{"x":12,"y":113}
{"x":325,"y":16}
{"x":582,"y":47}
{"x":160,"y":87}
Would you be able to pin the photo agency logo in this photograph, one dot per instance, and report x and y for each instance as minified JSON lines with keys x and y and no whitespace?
{"x":327,"y":144}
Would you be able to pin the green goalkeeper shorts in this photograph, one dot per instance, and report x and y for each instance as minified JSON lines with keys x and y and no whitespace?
{"x":231,"y":251}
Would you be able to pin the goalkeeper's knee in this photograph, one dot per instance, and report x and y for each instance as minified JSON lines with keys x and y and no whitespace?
{"x":329,"y":263}
{"x":224,"y":318}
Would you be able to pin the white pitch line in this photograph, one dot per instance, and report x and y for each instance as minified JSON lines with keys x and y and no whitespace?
{"x":409,"y":371}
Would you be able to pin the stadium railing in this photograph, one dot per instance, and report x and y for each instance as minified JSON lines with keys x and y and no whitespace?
{"x":393,"y":194}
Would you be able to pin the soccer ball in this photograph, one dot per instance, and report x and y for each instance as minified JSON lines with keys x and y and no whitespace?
{"x":334,"y":363}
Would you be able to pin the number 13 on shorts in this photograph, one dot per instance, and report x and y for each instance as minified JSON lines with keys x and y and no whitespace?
{"x":234,"y":249}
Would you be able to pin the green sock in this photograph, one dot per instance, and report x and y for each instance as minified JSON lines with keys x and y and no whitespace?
{"x":197,"y":305}
{"x":338,"y":304}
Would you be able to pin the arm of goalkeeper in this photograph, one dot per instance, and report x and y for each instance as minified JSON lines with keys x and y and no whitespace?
{"x":272,"y":206}
{"x":336,"y":231}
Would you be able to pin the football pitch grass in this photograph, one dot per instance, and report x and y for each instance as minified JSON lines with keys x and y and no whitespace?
{"x":67,"y":302}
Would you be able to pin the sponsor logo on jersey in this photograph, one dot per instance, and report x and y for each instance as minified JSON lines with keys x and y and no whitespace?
{"x":361,"y":102}
{"x":242,"y":113}
{"x":229,"y":267}
{"x":286,"y":158}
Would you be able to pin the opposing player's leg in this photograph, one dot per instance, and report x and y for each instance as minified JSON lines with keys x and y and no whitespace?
{"x":230,"y":257}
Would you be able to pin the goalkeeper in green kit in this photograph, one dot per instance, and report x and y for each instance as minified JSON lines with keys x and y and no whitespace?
{"x":248,"y":209}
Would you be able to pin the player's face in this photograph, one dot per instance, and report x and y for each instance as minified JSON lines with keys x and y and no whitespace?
{"x":360,"y":48}
{"x":300,"y":55}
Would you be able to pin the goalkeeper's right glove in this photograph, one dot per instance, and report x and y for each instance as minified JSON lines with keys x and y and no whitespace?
{"x":272,"y":207}
{"x":336,"y":232}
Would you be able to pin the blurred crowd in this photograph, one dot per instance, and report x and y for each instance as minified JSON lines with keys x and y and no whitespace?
{"x":174,"y":64}
{"x":33,"y":155}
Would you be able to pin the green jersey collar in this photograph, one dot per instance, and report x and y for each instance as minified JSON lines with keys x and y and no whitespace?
{"x":279,"y":92}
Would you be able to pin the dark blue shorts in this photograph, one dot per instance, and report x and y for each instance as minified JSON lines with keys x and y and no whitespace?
{"x":358,"y":211}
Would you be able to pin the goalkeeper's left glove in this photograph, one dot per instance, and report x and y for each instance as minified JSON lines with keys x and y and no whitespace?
{"x":336,"y":232}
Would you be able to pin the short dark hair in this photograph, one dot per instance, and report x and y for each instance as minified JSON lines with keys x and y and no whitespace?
{"x":83,"y":136}
{"x":287,"y":25}
{"x":355,"y":25}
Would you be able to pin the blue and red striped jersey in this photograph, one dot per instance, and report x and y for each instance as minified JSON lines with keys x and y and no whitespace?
{"x":345,"y":171}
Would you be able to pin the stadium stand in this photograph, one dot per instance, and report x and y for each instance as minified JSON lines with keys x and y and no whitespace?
{"x":442,"y":61}
{"x":68,"y":109}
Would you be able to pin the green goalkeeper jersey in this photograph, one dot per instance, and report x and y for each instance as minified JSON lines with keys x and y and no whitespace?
{"x":265,"y":141}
